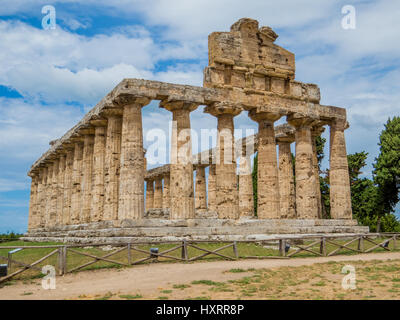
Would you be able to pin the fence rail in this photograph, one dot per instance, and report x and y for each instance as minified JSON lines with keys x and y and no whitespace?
{"x":285,"y":247}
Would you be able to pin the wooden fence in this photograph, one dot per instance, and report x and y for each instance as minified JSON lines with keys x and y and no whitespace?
{"x":283,"y":247}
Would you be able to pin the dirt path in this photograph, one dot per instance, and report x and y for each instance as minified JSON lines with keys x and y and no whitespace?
{"x":145,"y":279}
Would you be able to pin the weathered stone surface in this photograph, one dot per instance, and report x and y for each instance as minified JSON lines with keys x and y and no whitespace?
{"x":87,"y":177}
{"x":131,"y":181}
{"x":76,"y":199}
{"x":201,"y":189}
{"x":98,"y":191}
{"x":112,"y":165}
{"x":306,"y":195}
{"x":181,"y":168}
{"x":268,"y":199}
{"x":166,"y":194}
{"x":246,"y":203}
{"x":149,"y":195}
{"x":158,"y":194}
{"x":286,"y":181}
{"x":340,"y":197}
{"x":60,"y":190}
{"x":212,"y":194}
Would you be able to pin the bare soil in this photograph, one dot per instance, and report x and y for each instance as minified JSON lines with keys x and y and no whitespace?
{"x":176,"y":281}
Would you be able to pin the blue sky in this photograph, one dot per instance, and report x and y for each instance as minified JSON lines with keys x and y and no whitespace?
{"x":50,"y":78}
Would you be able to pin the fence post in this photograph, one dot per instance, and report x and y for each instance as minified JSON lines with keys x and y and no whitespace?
{"x":322,"y":247}
{"x":129,"y":254}
{"x":282,"y":247}
{"x":394,"y":242}
{"x":60,"y":261}
{"x":9,"y":255}
{"x":65,"y":260}
{"x":184,"y":250}
{"x":235,"y":250}
{"x":361,"y":244}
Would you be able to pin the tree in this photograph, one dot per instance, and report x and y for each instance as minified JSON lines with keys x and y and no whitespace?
{"x":387,"y":169}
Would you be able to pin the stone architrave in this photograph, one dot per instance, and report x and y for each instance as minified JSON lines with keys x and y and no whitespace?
{"x":286,"y":179}
{"x":181,"y":172}
{"x":201,"y":189}
{"x":340,"y":194}
{"x":227,"y":196}
{"x":112,"y":163}
{"x":268,"y":198}
{"x":306,"y":190}
{"x":131,"y":180}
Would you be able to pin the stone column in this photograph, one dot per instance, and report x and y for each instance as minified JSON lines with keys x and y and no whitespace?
{"x":181,"y":167}
{"x":112,"y":164}
{"x":212,"y":192}
{"x":268,"y":198}
{"x":306,"y":195}
{"x":149,"y":194}
{"x":32,"y":219}
{"x":226,"y":181}
{"x":316,"y":131}
{"x":158,"y":193}
{"x":50,"y":196}
{"x":131,"y":182}
{"x":201,"y":189}
{"x":42,"y":197}
{"x":60,"y":190}
{"x":76,"y":199}
{"x":68,"y":184}
{"x":339,"y":180}
{"x":166,"y":198}
{"x":99,"y":150}
{"x":286,"y":179}
{"x":246,"y":199}
{"x":87,"y":174}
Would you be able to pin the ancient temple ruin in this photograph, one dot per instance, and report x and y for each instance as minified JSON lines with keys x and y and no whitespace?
{"x":92,"y":184}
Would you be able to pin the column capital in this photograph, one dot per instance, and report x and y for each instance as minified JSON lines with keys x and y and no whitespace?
{"x":339,"y":124}
{"x":99,"y":122}
{"x":219,"y":108}
{"x":173,"y":105}
{"x":299,"y":121}
{"x":129,"y":99}
{"x":261,"y":116}
{"x":112,"y":112}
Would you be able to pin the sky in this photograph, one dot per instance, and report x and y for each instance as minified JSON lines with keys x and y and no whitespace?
{"x":49,"y":78}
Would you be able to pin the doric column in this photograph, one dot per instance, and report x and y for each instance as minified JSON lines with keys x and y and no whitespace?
{"x":131,"y":182}
{"x":181,"y":167}
{"x":201,"y":189}
{"x":306,"y":195}
{"x":50,"y":196}
{"x":158,"y":190}
{"x":149,"y":194}
{"x":42,"y":196}
{"x":286,"y":179}
{"x":87,"y":174}
{"x":60,"y":190}
{"x":339,"y":180}
{"x":316,"y":131}
{"x":68,"y":184}
{"x":32,"y":219}
{"x":246,"y":199}
{"x":166,"y":197}
{"x":112,"y":164}
{"x":99,"y":151}
{"x":212,"y":194}
{"x":76,"y":199}
{"x":268,"y":199}
{"x":225,"y":168}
